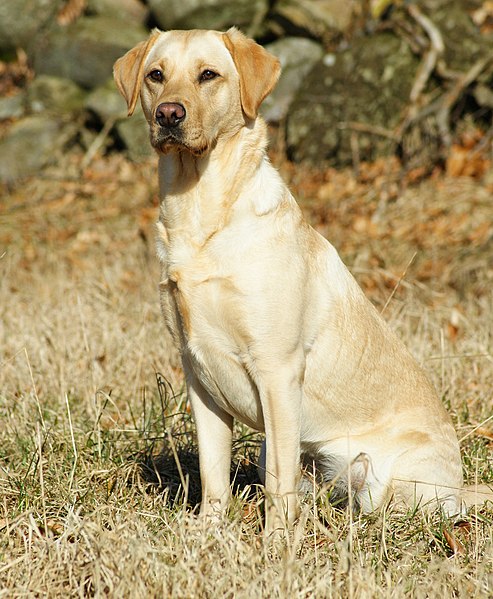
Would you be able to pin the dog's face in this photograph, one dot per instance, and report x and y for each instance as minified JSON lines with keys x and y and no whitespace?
{"x":196,"y":86}
{"x":190,"y":84}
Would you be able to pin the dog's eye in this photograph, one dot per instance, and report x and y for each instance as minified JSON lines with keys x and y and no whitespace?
{"x":156,"y":75}
{"x":207,"y":75}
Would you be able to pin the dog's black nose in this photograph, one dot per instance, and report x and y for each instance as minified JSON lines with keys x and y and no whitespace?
{"x":170,"y":114}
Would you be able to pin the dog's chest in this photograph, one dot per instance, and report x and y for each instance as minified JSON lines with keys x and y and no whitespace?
{"x":202,"y":310}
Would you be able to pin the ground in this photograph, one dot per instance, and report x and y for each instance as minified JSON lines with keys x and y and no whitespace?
{"x":98,"y":487}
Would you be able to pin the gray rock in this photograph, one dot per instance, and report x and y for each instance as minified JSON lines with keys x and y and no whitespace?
{"x":320,"y":18}
{"x":130,"y":10}
{"x":85,"y":50}
{"x":107,"y":102}
{"x":12,"y":106}
{"x":31,"y":144}
{"x":54,"y":94}
{"x":134,"y":132}
{"x":207,"y":14}
{"x":20,"y":20}
{"x":350,"y":99}
{"x":483,"y":95}
{"x":297,"y":56}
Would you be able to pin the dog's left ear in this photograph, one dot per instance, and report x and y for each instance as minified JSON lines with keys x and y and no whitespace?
{"x":128,"y":71}
{"x":258,"y":70}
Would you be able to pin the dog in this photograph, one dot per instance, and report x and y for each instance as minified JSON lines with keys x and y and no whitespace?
{"x":272,"y":328}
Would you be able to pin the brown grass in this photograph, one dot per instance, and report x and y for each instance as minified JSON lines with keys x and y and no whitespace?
{"x":98,"y":491}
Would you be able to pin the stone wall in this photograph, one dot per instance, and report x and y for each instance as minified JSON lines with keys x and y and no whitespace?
{"x":360,"y":79}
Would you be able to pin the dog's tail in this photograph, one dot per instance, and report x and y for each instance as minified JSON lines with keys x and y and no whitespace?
{"x":476,"y":495}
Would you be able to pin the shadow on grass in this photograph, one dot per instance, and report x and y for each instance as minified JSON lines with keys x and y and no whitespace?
{"x":175,"y":472}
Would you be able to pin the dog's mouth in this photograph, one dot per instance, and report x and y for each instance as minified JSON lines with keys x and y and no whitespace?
{"x":166,"y":140}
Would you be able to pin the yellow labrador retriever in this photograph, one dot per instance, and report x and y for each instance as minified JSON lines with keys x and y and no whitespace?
{"x":272,"y":328}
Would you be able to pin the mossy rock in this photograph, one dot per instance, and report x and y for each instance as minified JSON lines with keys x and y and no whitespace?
{"x":207,"y":14}
{"x":33,"y":143}
{"x":54,"y":94}
{"x":351,"y":99}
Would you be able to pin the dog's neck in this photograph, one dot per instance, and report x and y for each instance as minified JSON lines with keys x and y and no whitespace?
{"x":199,"y":193}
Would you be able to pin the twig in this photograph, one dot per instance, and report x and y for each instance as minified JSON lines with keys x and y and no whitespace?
{"x":372,"y":129}
{"x":35,"y":393}
{"x":165,"y":391}
{"x":425,"y":69}
{"x":430,"y":28}
{"x":183,"y":478}
{"x":396,"y":286}
{"x":436,"y":49}
{"x":460,"y":357}
{"x":74,"y":446}
{"x":11,"y":564}
{"x":98,"y":142}
{"x":432,"y":61}
{"x":451,"y":97}
{"x":353,"y":139}
{"x":475,"y":429}
{"x":483,"y":143}
{"x":258,"y":19}
{"x":40,"y":445}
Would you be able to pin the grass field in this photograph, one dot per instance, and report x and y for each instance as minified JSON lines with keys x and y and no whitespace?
{"x":99,"y":487}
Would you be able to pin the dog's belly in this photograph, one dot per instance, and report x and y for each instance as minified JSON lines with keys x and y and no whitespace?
{"x":227,"y":380}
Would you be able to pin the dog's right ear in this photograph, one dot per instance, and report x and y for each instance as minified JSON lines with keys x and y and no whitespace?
{"x":129,"y":69}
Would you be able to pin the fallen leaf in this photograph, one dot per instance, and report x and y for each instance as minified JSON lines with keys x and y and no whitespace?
{"x":453,"y":325}
{"x":250,"y":511}
{"x":70,"y":11}
{"x":463,"y":525}
{"x":453,"y":542}
{"x":464,"y":161}
{"x":481,"y":233}
{"x":454,"y":165}
{"x":484,"y":432}
{"x":56,"y":527}
{"x":483,"y":17}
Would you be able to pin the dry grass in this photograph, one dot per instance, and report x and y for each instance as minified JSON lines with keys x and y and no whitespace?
{"x":98,"y":490}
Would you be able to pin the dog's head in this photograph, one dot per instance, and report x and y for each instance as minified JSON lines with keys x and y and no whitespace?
{"x":196,"y":86}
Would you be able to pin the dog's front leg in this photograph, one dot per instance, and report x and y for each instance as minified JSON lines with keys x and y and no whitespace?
{"x":281,"y":404}
{"x":214,"y":432}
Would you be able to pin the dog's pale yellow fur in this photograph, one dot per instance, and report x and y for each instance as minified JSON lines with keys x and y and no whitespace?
{"x":272,"y":328}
